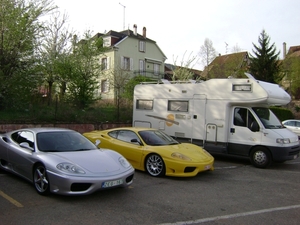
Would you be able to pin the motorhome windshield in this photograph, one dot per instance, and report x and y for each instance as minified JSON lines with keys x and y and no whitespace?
{"x":267,"y":117}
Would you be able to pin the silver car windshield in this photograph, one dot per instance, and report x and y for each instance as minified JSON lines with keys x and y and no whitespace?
{"x":62,"y":142}
{"x":156,"y":137}
{"x":268,"y":118}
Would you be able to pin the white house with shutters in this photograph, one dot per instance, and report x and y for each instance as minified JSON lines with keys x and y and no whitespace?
{"x":129,"y":54}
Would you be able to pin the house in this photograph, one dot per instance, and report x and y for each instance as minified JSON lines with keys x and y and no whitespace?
{"x":230,"y":65}
{"x":169,"y":72}
{"x":129,"y":54}
{"x":291,"y":70}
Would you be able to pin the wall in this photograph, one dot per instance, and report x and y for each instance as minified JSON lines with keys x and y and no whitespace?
{"x":81,"y":128}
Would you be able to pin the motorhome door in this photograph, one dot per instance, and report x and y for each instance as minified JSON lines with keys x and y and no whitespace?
{"x":244,"y":132}
{"x":198,"y":117}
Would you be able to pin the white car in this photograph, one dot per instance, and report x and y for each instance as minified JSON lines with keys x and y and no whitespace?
{"x":293,"y":125}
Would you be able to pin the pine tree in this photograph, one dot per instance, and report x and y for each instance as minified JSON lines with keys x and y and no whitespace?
{"x":264,"y":64}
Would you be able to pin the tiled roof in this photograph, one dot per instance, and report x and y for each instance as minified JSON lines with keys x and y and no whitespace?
{"x":224,"y":66}
{"x":293,"y":49}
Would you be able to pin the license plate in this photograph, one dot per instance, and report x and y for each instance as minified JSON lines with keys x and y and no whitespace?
{"x":112,"y":183}
{"x":207,"y":167}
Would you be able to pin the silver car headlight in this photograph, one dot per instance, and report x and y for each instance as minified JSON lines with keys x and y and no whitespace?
{"x":124,"y":162}
{"x":70,"y":168}
{"x":283,"y":140}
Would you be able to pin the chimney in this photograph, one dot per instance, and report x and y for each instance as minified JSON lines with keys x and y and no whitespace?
{"x":284,"y":50}
{"x":144,"y":32}
{"x":134,"y":29}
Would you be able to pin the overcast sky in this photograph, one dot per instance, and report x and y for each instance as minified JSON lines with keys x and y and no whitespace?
{"x":180,"y":27}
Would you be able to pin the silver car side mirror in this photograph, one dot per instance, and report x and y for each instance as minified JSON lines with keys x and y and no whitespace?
{"x":26,"y":145}
{"x":97,"y":142}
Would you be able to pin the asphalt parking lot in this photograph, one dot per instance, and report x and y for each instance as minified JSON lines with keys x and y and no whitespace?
{"x":234,"y":193}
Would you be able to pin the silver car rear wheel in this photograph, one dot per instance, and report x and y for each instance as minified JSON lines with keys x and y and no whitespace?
{"x":40,"y":180}
{"x":155,"y":165}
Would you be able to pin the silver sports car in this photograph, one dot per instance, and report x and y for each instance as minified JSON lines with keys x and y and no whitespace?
{"x":62,"y":161}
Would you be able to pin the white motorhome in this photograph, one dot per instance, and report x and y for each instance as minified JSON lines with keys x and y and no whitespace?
{"x":225,"y":116}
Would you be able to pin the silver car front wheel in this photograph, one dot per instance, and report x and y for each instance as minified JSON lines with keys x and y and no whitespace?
{"x":40,"y":180}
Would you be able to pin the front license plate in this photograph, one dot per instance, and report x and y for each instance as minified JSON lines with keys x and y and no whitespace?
{"x":207,"y":167}
{"x":112,"y":183}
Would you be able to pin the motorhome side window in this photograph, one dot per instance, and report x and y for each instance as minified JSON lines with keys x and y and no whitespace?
{"x":144,"y":104}
{"x":178,"y":106}
{"x":243,"y":117}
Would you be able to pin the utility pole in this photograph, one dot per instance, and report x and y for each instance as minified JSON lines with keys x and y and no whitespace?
{"x":123,"y":15}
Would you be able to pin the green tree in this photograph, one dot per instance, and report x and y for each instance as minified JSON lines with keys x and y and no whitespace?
{"x":264,"y":64}
{"x":85,"y":71}
{"x":20,"y":30}
{"x":129,"y":86}
{"x":291,"y":71}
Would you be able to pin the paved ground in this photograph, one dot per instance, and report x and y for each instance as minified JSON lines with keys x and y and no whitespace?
{"x":235,"y":193}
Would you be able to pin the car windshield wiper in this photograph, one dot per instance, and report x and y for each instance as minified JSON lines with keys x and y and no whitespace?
{"x":83,"y":149}
{"x":174,"y":143}
{"x":51,"y":150}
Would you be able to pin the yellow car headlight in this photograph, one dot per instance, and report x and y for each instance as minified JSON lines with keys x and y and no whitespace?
{"x":178,"y":155}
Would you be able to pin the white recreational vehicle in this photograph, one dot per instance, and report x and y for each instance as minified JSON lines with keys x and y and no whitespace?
{"x":225,"y":116}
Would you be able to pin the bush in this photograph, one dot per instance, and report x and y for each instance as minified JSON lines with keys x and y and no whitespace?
{"x":282,"y":113}
{"x":63,"y":113}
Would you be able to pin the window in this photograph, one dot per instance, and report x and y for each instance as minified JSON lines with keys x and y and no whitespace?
{"x":127,"y":63}
{"x":156,"y":69}
{"x":144,"y":104}
{"x":243,"y":117}
{"x":104,"y":86}
{"x":23,"y":136}
{"x":127,"y":135}
{"x":181,"y":106}
{"x":142,"y":46}
{"x":104,"y":63}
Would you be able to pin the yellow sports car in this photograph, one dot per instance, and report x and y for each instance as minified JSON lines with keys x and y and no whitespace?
{"x":154,"y":151}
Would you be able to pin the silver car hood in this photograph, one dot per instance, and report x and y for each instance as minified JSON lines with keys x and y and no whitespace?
{"x":93,"y":161}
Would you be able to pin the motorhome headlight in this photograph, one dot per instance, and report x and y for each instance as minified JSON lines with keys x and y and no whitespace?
{"x":283,"y":140}
{"x":178,"y":155}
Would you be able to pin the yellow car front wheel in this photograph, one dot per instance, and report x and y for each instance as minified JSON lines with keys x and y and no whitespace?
{"x":155,"y":165}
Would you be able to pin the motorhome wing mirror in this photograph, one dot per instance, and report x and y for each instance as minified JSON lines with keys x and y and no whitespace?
{"x":254,"y":126}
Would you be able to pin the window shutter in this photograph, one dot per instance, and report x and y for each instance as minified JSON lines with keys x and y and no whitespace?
{"x":108,"y":63}
{"x":107,"y":85}
{"x":122,"y":62}
{"x":131,"y":64}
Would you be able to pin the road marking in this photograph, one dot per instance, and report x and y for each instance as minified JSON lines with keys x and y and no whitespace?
{"x":11,"y":200}
{"x":233,"y":215}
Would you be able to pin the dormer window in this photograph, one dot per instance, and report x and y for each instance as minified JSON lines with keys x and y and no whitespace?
{"x":142,"y":46}
{"x":106,"y":41}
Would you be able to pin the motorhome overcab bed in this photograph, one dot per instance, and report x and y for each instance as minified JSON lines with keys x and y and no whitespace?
{"x":225,"y":116}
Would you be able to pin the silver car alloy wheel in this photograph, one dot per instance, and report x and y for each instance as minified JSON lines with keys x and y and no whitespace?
{"x":40,"y":180}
